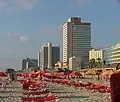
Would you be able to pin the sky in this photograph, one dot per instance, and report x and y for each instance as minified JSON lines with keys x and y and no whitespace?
{"x":26,"y":25}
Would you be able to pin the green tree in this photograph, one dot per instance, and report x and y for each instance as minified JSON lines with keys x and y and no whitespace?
{"x":92,"y":63}
{"x":99,"y":63}
{"x":104,"y":62}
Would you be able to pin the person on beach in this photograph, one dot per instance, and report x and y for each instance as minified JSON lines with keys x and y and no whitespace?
{"x":4,"y":84}
{"x":79,"y":81}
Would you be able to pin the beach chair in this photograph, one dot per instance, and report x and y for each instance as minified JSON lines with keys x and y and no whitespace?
{"x":37,"y":93}
{"x":51,"y":98}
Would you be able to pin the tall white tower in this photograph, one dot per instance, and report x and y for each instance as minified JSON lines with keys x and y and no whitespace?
{"x":27,"y":65}
{"x":39,"y":59}
{"x":49,"y":55}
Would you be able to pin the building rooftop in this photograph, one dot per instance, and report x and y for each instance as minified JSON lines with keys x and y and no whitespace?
{"x":74,"y":19}
{"x":112,"y":46}
{"x":95,"y":49}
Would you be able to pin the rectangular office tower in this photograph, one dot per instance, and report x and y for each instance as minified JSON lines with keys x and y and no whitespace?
{"x":28,"y":63}
{"x":44,"y":57}
{"x":76,"y":40}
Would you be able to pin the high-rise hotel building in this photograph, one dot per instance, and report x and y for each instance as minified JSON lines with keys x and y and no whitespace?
{"x":76,"y":39}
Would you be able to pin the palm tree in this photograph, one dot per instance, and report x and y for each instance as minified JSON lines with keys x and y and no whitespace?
{"x":104,"y":62}
{"x":92,"y":63}
{"x":99,"y":62}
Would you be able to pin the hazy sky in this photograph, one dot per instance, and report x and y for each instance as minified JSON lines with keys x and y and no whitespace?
{"x":25,"y":25}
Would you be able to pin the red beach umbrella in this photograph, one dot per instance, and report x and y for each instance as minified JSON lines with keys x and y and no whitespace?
{"x":2,"y":74}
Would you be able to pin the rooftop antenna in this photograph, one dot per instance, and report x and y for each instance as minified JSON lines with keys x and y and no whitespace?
{"x":74,"y":7}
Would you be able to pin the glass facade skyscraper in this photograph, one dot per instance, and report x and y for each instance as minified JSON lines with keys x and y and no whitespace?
{"x":55,"y":55}
{"x":76,"y":39}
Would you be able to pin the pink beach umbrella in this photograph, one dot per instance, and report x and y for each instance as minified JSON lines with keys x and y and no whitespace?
{"x":40,"y":72}
{"x":61,"y":73}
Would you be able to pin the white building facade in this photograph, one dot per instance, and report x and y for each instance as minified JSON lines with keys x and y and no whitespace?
{"x":49,"y":55}
{"x":74,"y":63}
{"x":112,"y":54}
{"x":38,"y":59}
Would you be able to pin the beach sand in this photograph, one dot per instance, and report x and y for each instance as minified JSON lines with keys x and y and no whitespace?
{"x":64,"y":94}
{"x":70,"y":94}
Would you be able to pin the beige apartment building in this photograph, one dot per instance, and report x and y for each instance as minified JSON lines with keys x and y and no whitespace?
{"x":95,"y":53}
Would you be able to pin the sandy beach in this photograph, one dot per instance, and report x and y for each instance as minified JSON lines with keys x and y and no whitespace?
{"x":64,"y":94}
{"x":71,"y":94}
{"x":12,"y":93}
